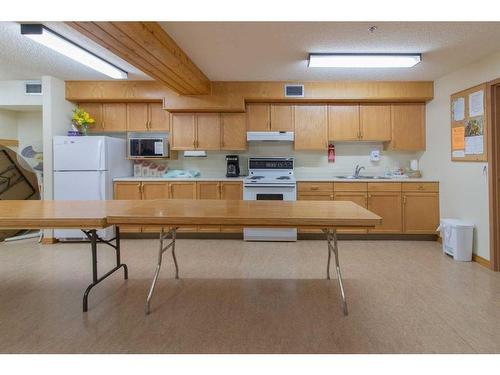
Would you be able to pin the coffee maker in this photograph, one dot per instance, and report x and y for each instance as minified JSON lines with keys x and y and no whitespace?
{"x":233,"y":166}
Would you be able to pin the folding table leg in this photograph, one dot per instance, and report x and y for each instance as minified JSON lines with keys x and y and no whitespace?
{"x":163,"y":236}
{"x":331,"y":235}
{"x":94,"y":239}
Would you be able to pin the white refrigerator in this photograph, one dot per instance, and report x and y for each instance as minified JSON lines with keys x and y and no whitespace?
{"x":84,"y":168}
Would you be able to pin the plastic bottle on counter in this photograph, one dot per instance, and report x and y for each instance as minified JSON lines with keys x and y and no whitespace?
{"x":137,"y":168}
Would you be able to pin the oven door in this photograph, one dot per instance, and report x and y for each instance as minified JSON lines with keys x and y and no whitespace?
{"x":270,"y":192}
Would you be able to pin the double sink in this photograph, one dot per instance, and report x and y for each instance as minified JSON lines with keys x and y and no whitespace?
{"x":352,"y":177}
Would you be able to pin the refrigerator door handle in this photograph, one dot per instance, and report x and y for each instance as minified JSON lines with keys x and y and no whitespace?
{"x":101,"y":145}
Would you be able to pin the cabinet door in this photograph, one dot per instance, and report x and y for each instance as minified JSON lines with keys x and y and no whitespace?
{"x":208,"y":190}
{"x":158,"y":118}
{"x":114,"y":117}
{"x":137,"y":117}
{"x":233,"y":131}
{"x":258,"y":117}
{"x":408,"y":127}
{"x":154,"y":190}
{"x":282,"y":117}
{"x":375,"y":122}
{"x":231,"y":190}
{"x":388,"y":206}
{"x":343,"y":122}
{"x":317,"y":196}
{"x":183,"y":131}
{"x":420,"y":213}
{"x":95,"y":111}
{"x":311,"y":127}
{"x":359,"y":198}
{"x":127,"y":191}
{"x":208,"y":131}
{"x":183,"y":190}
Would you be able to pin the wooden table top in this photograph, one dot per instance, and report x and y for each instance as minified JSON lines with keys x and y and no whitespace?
{"x":52,"y":214}
{"x":99,"y":214}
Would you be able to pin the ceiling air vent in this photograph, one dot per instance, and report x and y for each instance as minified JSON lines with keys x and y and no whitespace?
{"x":294,"y":91}
{"x":33,"y":88}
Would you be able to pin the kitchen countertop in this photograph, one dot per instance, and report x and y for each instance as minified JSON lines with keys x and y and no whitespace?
{"x":299,"y":178}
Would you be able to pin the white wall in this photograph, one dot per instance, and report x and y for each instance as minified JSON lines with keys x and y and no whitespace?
{"x":8,"y":124}
{"x":56,"y":121}
{"x":463,"y":186}
{"x":306,"y":163}
{"x":30,"y":129}
{"x":12,"y":93}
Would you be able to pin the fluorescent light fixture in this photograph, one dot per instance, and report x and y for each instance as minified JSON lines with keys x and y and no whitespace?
{"x":364,"y":60}
{"x":58,"y":43}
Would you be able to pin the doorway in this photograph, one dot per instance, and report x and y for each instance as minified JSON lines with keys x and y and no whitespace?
{"x":494,"y":174}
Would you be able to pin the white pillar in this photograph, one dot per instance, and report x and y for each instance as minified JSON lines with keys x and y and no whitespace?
{"x":56,"y":121}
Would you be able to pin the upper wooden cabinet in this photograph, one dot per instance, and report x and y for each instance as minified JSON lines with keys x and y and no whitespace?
{"x":208,"y":131}
{"x":120,"y":117}
{"x":258,"y":117}
{"x":183,"y":131}
{"x":109,"y":117}
{"x":95,"y":111}
{"x":142,"y":117}
{"x":408,"y":127}
{"x":375,"y":122}
{"x":137,"y":117}
{"x":282,"y":117}
{"x":195,"y":131}
{"x":159,"y":119}
{"x":343,"y":122}
{"x":233,"y":134}
{"x":269,"y":117}
{"x":311,"y":127}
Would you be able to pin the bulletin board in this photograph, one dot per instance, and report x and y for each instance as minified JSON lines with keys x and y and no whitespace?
{"x":469,"y":124}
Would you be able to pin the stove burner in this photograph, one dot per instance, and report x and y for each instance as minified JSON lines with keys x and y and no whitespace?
{"x":283,"y":178}
{"x":256,"y":177}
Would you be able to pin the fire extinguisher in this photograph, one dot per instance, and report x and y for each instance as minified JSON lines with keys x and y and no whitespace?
{"x":331,"y":153}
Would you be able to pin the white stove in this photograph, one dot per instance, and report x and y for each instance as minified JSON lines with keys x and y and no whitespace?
{"x":270,"y":179}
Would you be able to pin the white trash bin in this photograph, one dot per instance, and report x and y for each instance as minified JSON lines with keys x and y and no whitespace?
{"x":457,"y":238}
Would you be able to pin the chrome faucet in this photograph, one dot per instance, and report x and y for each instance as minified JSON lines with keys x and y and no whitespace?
{"x":358,"y":170}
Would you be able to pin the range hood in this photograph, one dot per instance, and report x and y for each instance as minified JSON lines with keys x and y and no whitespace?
{"x":270,"y":136}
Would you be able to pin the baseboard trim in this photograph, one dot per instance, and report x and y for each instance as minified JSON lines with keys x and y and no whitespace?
{"x":482,"y":261}
{"x":49,"y":240}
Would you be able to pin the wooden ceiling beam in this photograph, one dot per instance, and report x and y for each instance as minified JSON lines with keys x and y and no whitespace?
{"x":149,"y":48}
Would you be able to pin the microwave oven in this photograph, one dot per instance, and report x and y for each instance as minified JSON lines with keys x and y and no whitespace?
{"x":148,"y":147}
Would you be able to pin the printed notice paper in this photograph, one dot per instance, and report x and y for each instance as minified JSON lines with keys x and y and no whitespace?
{"x":458,"y":154}
{"x":476,"y":101}
{"x":458,"y":138}
{"x":474,"y":145}
{"x":458,"y":109}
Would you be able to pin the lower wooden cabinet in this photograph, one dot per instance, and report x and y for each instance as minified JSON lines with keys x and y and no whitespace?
{"x":408,"y":207}
{"x":128,"y":191}
{"x":229,"y":190}
{"x":420,"y":212}
{"x":358,"y":197}
{"x":386,"y":204}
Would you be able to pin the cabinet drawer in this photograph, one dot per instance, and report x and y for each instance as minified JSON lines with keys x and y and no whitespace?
{"x":311,"y":187}
{"x":384,"y":186}
{"x":328,"y":196}
{"x":432,"y":187}
{"x":350,"y":186}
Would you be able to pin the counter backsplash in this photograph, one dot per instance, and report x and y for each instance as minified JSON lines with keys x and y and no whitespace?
{"x":312,"y":163}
